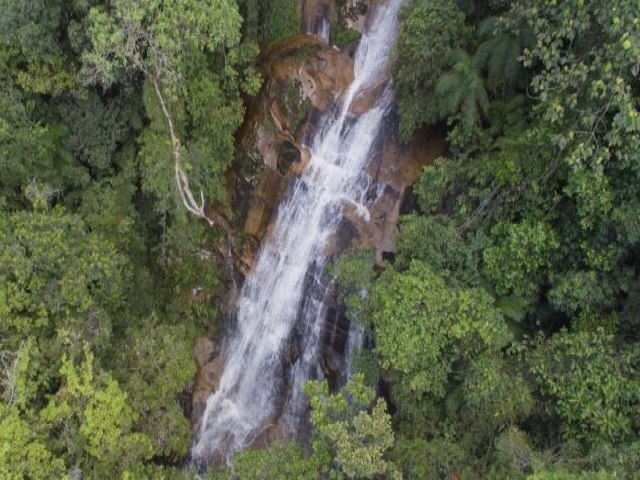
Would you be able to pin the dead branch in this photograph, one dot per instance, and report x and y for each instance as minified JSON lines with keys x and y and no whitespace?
{"x":195,"y":207}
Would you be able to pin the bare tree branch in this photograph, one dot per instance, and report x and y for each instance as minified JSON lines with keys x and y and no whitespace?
{"x":195,"y":207}
{"x":8,"y":381}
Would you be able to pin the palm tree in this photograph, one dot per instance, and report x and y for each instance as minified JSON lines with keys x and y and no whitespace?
{"x":462,"y":90}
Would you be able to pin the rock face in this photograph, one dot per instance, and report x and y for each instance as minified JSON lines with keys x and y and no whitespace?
{"x":316,"y":14}
{"x":303,"y":77}
{"x":399,"y":168}
{"x":209,"y":370}
{"x":355,"y":13}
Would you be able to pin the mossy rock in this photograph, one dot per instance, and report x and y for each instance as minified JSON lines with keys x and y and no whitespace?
{"x":294,"y":105}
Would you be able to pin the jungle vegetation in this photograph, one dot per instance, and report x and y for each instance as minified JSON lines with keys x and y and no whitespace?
{"x":503,"y":336}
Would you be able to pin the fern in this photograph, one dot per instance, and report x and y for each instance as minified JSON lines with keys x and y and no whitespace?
{"x":499,"y":53}
{"x":462,"y":90}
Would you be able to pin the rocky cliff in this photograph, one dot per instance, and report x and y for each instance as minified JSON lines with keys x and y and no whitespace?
{"x":305,"y":76}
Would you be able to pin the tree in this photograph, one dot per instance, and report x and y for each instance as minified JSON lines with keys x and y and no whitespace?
{"x":98,"y":129}
{"x":519,"y":256}
{"x":154,"y":365}
{"x":23,"y":453}
{"x":462,"y":91}
{"x":282,"y":20}
{"x":592,"y":383}
{"x":424,"y":327}
{"x":500,"y":51}
{"x":91,"y":422}
{"x":438,"y":245}
{"x":428,"y":31}
{"x":535,"y":210}
{"x":29,"y":36}
{"x":60,"y":283}
{"x":423,"y":459}
{"x":345,"y":429}
{"x":159,"y":39}
{"x":564,"y":475}
{"x":30,"y":149}
{"x":495,"y":395}
{"x":281,"y":461}
{"x":514,"y":456}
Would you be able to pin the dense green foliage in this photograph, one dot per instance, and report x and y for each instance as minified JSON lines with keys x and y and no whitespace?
{"x":506,"y":325}
{"x":99,"y":260}
{"x":503,"y":335}
{"x":429,"y":30}
{"x":271,"y":20}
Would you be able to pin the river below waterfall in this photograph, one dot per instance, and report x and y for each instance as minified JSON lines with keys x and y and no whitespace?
{"x":284,"y":297}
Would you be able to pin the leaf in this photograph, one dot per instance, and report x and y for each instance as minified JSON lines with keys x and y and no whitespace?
{"x":512,"y":307}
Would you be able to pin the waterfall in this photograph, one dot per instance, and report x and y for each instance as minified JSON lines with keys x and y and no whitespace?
{"x":325,"y":29}
{"x":354,"y":345}
{"x":284,"y":297}
{"x":316,"y":20}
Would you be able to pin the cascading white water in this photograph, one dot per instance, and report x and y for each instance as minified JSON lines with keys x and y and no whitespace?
{"x":325,"y":29}
{"x":354,"y":345}
{"x":284,"y":295}
{"x":319,"y":24}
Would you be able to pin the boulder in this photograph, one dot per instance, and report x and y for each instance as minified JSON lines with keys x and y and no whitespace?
{"x":399,"y":168}
{"x":355,"y":13}
{"x":266,"y":436}
{"x":209,"y":367}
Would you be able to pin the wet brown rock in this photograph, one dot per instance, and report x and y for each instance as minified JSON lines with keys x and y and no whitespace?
{"x":305,"y":157}
{"x":267,"y":146}
{"x":400,"y":167}
{"x":264,"y":201}
{"x":328,"y":75}
{"x":367,"y":98}
{"x":203,"y":352}
{"x":208,"y":373}
{"x":322,"y":72}
{"x":314,"y":13}
{"x":266,"y":436}
{"x":356,"y":13}
{"x":302,"y":78}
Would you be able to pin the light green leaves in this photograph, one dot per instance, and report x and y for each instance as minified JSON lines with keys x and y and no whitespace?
{"x":98,"y":421}
{"x":23,"y":454}
{"x":344,"y":427}
{"x":57,"y":279}
{"x":518,"y":257}
{"x":153,"y":36}
{"x":423,"y":327}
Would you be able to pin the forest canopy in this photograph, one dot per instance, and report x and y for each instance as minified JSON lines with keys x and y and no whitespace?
{"x":503,"y":334}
